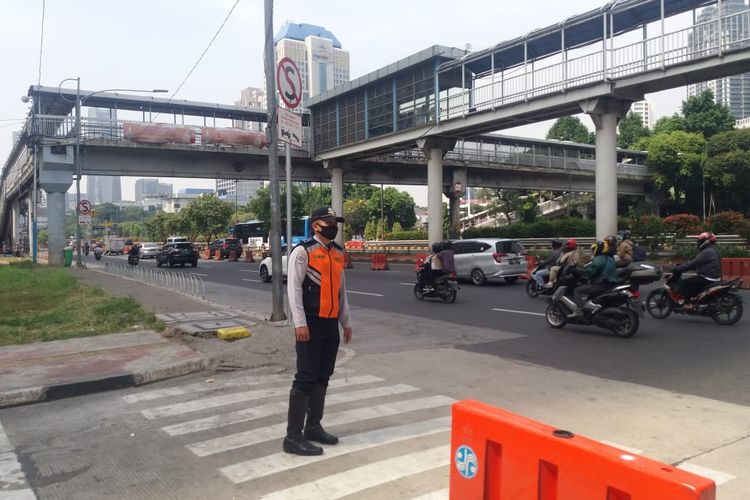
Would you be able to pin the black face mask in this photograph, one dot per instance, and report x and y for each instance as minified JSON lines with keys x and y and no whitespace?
{"x":329,"y":232}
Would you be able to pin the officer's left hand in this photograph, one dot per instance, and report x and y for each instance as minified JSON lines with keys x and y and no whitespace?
{"x":347,"y":334}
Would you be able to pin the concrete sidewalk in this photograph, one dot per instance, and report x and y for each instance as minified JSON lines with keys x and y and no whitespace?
{"x":64,"y":368}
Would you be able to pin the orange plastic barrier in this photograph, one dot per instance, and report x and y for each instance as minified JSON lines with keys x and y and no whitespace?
{"x":219,"y":254}
{"x":531,"y":263}
{"x":249,"y":256}
{"x":232,"y":256}
{"x":732,"y":268}
{"x":421,"y":257}
{"x":379,"y":262}
{"x":498,"y":455}
{"x":207,"y":254}
{"x":358,"y":245}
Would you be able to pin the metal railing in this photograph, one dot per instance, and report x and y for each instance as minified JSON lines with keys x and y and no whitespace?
{"x":183,"y":283}
{"x":658,"y":52}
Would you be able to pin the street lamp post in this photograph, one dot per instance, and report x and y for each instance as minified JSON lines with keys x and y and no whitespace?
{"x":76,"y":158}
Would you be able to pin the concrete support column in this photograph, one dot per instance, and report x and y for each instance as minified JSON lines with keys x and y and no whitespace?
{"x":605,"y":113}
{"x":56,"y":227}
{"x":454,"y":191}
{"x":15,"y":225}
{"x":454,"y":211}
{"x":434,"y":149}
{"x":337,"y":194}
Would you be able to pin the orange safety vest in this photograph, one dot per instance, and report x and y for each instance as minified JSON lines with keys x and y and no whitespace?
{"x":320,"y":288}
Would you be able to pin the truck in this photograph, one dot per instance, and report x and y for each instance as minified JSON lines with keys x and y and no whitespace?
{"x":114,"y":245}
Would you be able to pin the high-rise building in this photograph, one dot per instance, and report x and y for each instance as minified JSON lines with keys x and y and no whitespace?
{"x":731,"y":91}
{"x":151,"y":188}
{"x":317,"y":53}
{"x":252,"y":97}
{"x":646,"y":110}
{"x":245,"y":190}
{"x":103,"y":189}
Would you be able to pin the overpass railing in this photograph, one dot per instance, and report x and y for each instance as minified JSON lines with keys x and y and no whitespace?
{"x":529,"y":80}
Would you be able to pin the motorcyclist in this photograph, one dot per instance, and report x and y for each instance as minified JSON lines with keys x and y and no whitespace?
{"x":447,"y":259}
{"x":430,"y":265}
{"x":98,"y":251}
{"x":543,"y":271}
{"x":602,"y":276}
{"x":135,"y":250}
{"x":571,"y":255}
{"x":707,"y":264}
{"x":625,"y":245}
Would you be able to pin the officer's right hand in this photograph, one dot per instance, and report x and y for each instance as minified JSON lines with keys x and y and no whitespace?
{"x":302,"y":333}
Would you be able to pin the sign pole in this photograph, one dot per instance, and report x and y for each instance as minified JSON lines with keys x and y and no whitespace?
{"x":288,"y":150}
{"x":273,"y":168}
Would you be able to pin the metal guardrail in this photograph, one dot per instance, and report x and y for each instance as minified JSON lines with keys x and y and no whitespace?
{"x":183,"y":283}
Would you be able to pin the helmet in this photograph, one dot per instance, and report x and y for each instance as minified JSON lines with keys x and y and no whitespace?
{"x":624,"y":234}
{"x":556,"y":243}
{"x":611,"y":242}
{"x":447,"y":245}
{"x":571,"y":244}
{"x":599,"y":247}
{"x":436,"y":247}
{"x":705,"y":239}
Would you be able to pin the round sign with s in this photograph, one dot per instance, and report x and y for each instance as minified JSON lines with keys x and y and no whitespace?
{"x":289,"y":83}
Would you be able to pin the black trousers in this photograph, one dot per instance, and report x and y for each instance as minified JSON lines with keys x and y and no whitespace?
{"x":692,"y":286}
{"x":316,"y":358}
{"x":581,"y":293}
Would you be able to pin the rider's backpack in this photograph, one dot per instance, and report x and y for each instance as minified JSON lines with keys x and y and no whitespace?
{"x":639,"y":253}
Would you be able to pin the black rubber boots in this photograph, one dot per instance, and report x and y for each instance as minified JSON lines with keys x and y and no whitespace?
{"x":313,"y":430}
{"x":295,"y":442}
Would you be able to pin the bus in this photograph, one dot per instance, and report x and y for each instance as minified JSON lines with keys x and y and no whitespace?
{"x":255,"y":232}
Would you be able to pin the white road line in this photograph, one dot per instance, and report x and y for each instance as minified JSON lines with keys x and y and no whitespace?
{"x":633,"y":451}
{"x":716,"y":476}
{"x":365,"y":293}
{"x":254,"y":281}
{"x":248,"y":270}
{"x":517,"y":312}
{"x":205,"y":386}
{"x":198,"y":274}
{"x":407,"y":284}
{"x":368,"y":476}
{"x":278,"y":462}
{"x":206,"y":267}
{"x":434,"y":495}
{"x":241,"y":397}
{"x":263,"y":434}
{"x":12,"y":478}
{"x":248,"y":414}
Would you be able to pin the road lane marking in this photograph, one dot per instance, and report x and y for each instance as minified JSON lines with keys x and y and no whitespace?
{"x":204,"y":386}
{"x":407,"y":284}
{"x":249,"y":414}
{"x":633,"y":451}
{"x":199,"y":274}
{"x":434,"y":495}
{"x":241,"y":397}
{"x":517,"y":312}
{"x":248,"y":270}
{"x":272,"y":432}
{"x":716,"y":476}
{"x":352,"y":481}
{"x":365,"y":293}
{"x":253,"y":281}
{"x":279,"y":462}
{"x":12,"y":477}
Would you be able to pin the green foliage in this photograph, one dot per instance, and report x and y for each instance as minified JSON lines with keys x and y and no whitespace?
{"x":347,"y":232}
{"x":407,"y":235}
{"x":682,"y":224}
{"x":566,"y":227}
{"x":733,"y":251}
{"x":667,"y":124}
{"x":208,"y":216}
{"x":570,"y":128}
{"x":648,"y":230}
{"x":702,"y":115}
{"x":158,"y":227}
{"x":743,"y":229}
{"x":396,"y":206}
{"x":260,"y":205}
{"x":727,"y":167}
{"x":311,"y":197}
{"x":726,"y":222}
{"x":396,"y":227}
{"x":371,"y":229}
{"x":356,"y":214}
{"x":631,"y":130}
{"x":381,"y":229}
{"x":359,"y":191}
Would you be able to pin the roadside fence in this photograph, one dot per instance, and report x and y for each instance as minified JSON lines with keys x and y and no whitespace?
{"x":183,"y":283}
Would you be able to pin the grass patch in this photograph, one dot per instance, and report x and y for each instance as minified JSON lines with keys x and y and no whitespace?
{"x":38,"y":304}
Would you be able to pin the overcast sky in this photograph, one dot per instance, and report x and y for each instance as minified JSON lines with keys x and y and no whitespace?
{"x":154,"y":43}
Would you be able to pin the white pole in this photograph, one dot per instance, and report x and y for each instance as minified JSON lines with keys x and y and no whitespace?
{"x":288,"y":151}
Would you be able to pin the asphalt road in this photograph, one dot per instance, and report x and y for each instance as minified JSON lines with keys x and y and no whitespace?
{"x":683,"y":354}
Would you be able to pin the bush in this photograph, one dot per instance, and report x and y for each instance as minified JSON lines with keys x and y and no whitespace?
{"x":541,"y":229}
{"x":733,"y":251}
{"x":682,"y":224}
{"x":743,"y":229}
{"x":726,"y":222}
{"x":407,"y":235}
{"x":648,"y":230}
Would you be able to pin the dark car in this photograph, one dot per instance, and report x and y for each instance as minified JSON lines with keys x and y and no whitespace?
{"x":225,"y":245}
{"x":177,"y":253}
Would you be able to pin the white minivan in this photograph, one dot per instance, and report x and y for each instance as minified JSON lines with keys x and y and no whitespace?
{"x":177,"y":239}
{"x":481,"y":259}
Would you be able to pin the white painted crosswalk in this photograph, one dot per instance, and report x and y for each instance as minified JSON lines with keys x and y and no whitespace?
{"x":369,"y":414}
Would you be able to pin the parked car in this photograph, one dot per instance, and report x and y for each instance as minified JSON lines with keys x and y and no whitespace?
{"x":177,"y":239}
{"x":226,"y":245}
{"x":265,"y":269}
{"x":149,"y":250}
{"x":177,"y":253}
{"x":481,"y":259}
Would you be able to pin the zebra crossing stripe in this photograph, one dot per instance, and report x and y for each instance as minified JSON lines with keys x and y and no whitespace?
{"x":263,"y":434}
{"x":368,"y":476}
{"x":249,"y":380}
{"x":279,"y":462}
{"x":240,"y":397}
{"x":12,"y":479}
{"x":434,"y":495}
{"x":248,"y":414}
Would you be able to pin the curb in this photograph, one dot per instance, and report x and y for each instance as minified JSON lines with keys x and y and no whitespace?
{"x":82,"y":387}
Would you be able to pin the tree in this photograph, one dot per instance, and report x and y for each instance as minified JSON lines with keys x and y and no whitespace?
{"x":667,"y":124}
{"x":157,"y":226}
{"x":728,"y":169}
{"x":702,"y":115}
{"x":313,"y":197}
{"x":208,"y":215}
{"x":570,"y":128}
{"x":371,"y":230}
{"x":260,"y":205}
{"x":502,"y":201}
{"x":396,"y":206}
{"x":397,"y":227}
{"x":356,"y":215}
{"x":359,"y":191}
{"x":381,"y":229}
{"x":631,"y":130}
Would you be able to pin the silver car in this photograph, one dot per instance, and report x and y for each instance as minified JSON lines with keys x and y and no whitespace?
{"x":149,"y":250}
{"x":481,"y":259}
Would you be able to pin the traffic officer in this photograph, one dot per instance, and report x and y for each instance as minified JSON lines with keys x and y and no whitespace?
{"x":317,"y":300}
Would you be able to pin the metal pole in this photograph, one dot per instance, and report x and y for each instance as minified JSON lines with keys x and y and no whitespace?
{"x":235,"y":201}
{"x":719,"y":33}
{"x":288,"y":151}
{"x":273,"y":167}
{"x":33,"y":205}
{"x":79,"y":263}
{"x":661,"y":37}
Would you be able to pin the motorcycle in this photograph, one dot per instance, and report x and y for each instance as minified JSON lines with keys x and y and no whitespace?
{"x":133,"y":260}
{"x":444,"y":287}
{"x":720,"y":302}
{"x":98,"y":253}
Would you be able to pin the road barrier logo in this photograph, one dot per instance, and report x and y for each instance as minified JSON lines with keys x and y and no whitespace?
{"x":466,"y":462}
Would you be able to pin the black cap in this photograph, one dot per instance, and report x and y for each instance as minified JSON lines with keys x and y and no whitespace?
{"x":325,"y":213}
